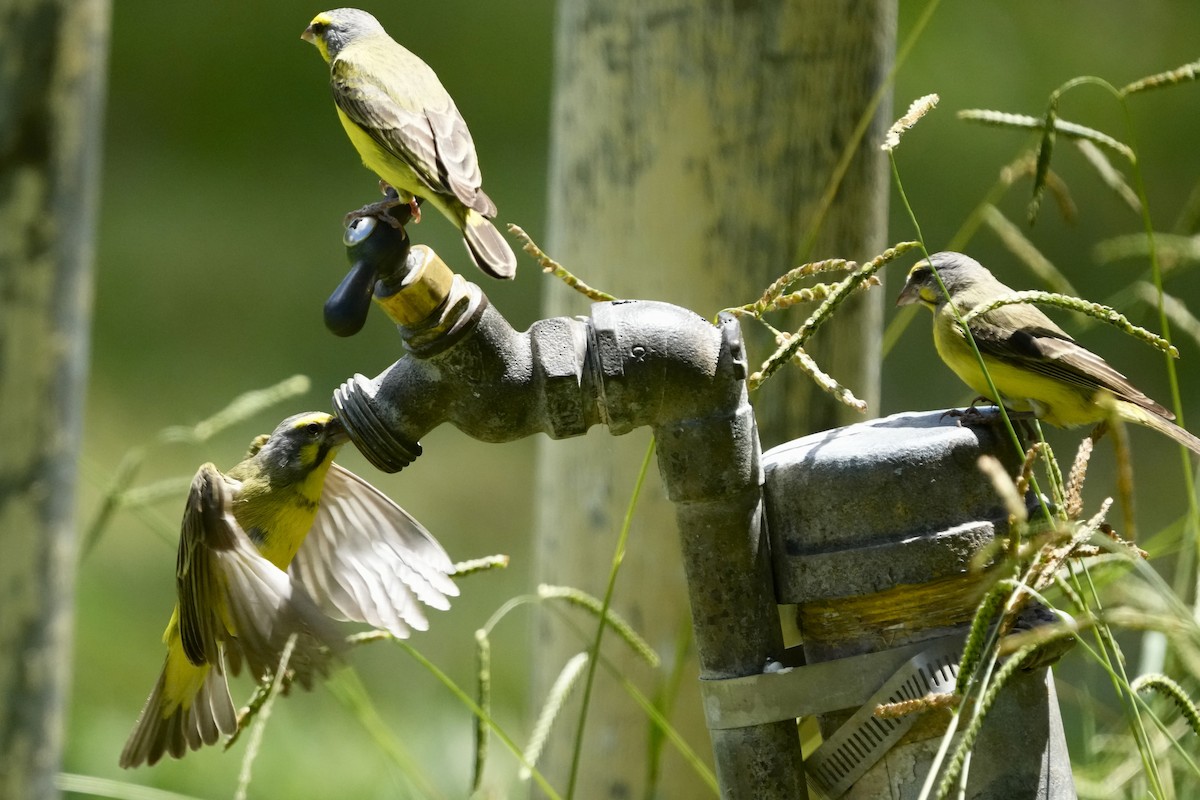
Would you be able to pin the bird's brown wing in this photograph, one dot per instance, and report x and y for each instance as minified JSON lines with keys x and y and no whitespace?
{"x":433,"y":141}
{"x":196,"y":585}
{"x":1048,"y":350}
{"x":459,"y":162}
{"x":234,"y":601}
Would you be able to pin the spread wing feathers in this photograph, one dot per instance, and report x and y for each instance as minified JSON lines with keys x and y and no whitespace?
{"x":366,"y":559}
{"x":188,"y":725}
{"x":201,"y":630}
{"x":231,"y":597}
{"x":434,"y":142}
{"x":1048,"y":350}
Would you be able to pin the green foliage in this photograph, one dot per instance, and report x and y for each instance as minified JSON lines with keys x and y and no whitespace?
{"x":992,"y":655}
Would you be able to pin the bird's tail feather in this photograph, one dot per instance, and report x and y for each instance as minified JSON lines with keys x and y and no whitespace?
{"x":1141,"y":416}
{"x":172,"y":723}
{"x":487,"y":247}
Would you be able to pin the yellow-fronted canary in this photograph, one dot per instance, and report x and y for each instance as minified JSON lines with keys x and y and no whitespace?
{"x":407,"y":129}
{"x":1035,"y":365}
{"x":264,"y":549}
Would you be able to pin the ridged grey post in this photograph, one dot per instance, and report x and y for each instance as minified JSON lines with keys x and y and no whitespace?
{"x":691,"y":146}
{"x":51,"y":116}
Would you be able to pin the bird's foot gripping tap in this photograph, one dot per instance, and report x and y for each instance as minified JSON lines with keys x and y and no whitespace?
{"x":385,"y":210}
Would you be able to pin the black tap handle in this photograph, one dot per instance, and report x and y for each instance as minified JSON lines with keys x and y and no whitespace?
{"x":347,"y":308}
{"x":377,"y":248}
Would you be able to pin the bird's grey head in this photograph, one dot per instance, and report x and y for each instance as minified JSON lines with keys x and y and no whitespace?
{"x":956,"y":270}
{"x":332,"y":30}
{"x":298,"y":445}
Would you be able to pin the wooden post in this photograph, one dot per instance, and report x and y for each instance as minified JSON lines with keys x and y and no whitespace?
{"x":691,"y":144}
{"x":51,"y":101}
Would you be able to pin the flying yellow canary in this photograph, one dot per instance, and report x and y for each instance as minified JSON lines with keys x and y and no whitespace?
{"x":264,"y":549}
{"x":407,"y":129}
{"x":1034,"y":364}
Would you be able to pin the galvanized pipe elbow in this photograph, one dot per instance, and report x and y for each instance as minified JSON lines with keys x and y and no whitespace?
{"x":632,"y":363}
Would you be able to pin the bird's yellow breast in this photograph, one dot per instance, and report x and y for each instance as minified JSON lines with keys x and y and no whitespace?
{"x":284,"y":530}
{"x":281,"y":517}
{"x":395,"y":171}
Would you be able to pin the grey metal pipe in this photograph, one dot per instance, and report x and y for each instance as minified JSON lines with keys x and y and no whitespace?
{"x":631,"y":364}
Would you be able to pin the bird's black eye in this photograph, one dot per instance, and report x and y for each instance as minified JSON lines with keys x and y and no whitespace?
{"x":921,"y":274}
{"x":319,"y":27}
{"x":312,"y":428}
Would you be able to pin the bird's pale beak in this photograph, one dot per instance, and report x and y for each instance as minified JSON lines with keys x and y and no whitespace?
{"x":908,"y":295}
{"x":336,"y":433}
{"x":308,"y":35}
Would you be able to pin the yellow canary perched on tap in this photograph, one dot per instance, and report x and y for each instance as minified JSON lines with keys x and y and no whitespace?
{"x":407,"y":129}
{"x":1035,"y":365}
{"x":274,"y":547}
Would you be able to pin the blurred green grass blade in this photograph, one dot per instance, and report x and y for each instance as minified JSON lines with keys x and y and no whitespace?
{"x":116,"y":790}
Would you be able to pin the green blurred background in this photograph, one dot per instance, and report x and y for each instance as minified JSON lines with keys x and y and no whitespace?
{"x":225,"y":180}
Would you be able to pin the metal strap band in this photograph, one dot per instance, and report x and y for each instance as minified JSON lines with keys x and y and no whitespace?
{"x":792,"y":692}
